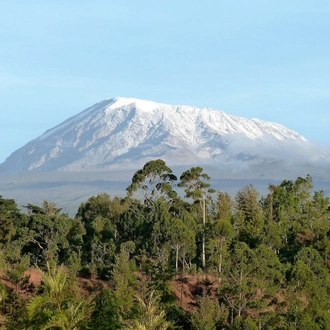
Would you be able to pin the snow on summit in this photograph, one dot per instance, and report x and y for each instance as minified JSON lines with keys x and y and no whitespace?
{"x":144,"y":105}
{"x":128,"y":131}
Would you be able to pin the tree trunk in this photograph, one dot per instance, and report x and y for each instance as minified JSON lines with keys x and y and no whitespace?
{"x":203,"y":238}
{"x":176,"y":258}
{"x":220,"y":265}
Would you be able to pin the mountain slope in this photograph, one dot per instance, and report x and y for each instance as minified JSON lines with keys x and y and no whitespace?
{"x":127,"y":131}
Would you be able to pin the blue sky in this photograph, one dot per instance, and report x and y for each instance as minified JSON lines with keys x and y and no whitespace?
{"x":263,"y":59}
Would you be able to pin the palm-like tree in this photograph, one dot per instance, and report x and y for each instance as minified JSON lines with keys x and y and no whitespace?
{"x":151,"y":316}
{"x":60,"y":307}
{"x":3,"y":296}
{"x":71,"y":317}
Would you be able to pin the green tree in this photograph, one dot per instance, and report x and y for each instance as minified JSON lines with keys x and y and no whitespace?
{"x":45,"y":233}
{"x":14,"y":264}
{"x":249,"y":218}
{"x":3,"y":297}
{"x":268,"y":279}
{"x":123,"y":279}
{"x":288,"y":201}
{"x":244,"y":324}
{"x":100,"y":216}
{"x":310,"y":283}
{"x":239,"y":286}
{"x":195,"y":185}
{"x":107,"y":314}
{"x":181,"y":239}
{"x":312,"y":225}
{"x":60,"y":306}
{"x":150,"y":315}
{"x":223,"y":207}
{"x":104,"y":207}
{"x":209,"y":315}
{"x":133,"y":226}
{"x":221,"y":234}
{"x":74,"y":252}
{"x":9,"y":219}
{"x":152,"y":182}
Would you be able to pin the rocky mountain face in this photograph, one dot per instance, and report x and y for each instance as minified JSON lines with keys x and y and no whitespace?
{"x":127,"y":132}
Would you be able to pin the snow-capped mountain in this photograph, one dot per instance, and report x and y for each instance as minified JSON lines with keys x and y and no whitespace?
{"x":129,"y":132}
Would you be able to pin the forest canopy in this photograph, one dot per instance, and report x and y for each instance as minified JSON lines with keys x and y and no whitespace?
{"x":174,"y":253}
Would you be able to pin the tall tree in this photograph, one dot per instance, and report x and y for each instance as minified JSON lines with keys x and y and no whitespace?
{"x":221,"y":234}
{"x":123,"y":279}
{"x":248,"y":215}
{"x":102,"y":206}
{"x":153,"y":181}
{"x":181,"y":239}
{"x":239,"y":286}
{"x":100,"y":216}
{"x":195,"y":185}
{"x":223,"y":206}
{"x":150,"y":197}
{"x":45,"y":233}
{"x":9,"y":218}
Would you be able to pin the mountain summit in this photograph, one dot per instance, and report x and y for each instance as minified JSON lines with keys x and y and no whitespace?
{"x":129,"y":132}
